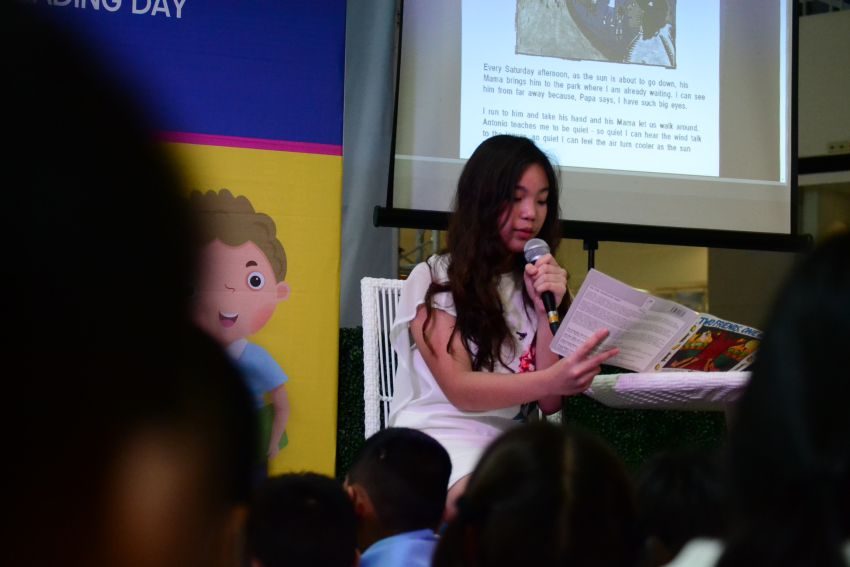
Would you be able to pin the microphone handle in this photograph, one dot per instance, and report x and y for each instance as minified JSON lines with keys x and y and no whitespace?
{"x":551,"y":311}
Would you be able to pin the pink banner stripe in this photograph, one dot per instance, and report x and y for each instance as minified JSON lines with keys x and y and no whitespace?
{"x":250,"y":143}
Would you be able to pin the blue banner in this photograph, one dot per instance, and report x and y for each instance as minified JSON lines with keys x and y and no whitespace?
{"x":268,"y":69}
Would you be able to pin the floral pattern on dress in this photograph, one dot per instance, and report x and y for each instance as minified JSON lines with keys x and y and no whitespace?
{"x":527,"y":360}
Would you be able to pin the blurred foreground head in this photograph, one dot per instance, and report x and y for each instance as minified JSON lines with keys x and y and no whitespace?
{"x":680,"y":497}
{"x":398,"y":483}
{"x":544,"y":495}
{"x":302,"y":519}
{"x":790,"y":441}
{"x":129,"y":434}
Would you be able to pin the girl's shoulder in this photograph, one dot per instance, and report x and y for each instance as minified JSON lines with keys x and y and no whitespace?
{"x":439,"y":264}
{"x":419,"y":282}
{"x":434,"y":269}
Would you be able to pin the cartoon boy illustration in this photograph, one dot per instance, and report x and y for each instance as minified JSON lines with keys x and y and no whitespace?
{"x":243,"y":265}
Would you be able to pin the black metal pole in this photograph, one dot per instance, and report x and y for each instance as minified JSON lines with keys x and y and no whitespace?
{"x":591,"y":246}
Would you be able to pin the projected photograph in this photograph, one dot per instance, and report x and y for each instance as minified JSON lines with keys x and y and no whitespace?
{"x":641,"y":32}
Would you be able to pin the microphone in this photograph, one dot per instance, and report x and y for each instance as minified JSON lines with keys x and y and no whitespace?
{"x":534,"y":249}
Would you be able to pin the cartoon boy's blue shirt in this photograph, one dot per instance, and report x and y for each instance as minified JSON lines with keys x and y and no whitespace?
{"x":260,"y":371}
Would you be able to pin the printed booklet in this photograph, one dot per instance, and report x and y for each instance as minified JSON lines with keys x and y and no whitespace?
{"x":653,"y":334}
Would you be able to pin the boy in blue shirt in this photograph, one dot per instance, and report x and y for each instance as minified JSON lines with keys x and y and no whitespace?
{"x":398,"y":485}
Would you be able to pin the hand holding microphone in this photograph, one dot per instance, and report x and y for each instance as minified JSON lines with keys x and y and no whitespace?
{"x":546,"y":279}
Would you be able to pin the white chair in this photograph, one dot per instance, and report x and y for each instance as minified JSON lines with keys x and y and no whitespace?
{"x":379,"y":298}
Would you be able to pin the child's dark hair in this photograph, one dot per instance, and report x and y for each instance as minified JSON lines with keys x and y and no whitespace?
{"x":99,"y":274}
{"x":203,"y":395}
{"x":680,"y":497}
{"x":406,"y":474}
{"x":485,"y":190}
{"x":302,"y":519}
{"x":544,"y":495}
{"x":789,"y":454}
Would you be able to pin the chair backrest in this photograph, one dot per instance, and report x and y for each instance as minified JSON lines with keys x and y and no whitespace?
{"x":379,"y":298}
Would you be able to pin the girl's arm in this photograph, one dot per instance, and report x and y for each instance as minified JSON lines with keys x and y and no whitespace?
{"x":545,"y":275}
{"x":544,"y":359}
{"x":471,"y":390}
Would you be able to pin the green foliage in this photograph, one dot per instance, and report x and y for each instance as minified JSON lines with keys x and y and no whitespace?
{"x":350,"y":428}
{"x":636,"y":435}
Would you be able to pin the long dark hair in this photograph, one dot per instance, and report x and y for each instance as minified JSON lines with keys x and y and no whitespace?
{"x":789,"y":454}
{"x":477,"y":254}
{"x":544,"y":495}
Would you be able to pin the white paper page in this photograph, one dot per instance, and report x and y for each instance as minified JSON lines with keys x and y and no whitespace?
{"x":641,"y":326}
{"x":586,"y":112}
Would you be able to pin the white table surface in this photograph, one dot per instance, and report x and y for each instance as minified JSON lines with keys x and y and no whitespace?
{"x":669,"y":390}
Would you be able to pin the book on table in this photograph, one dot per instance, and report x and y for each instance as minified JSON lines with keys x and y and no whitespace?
{"x":652,"y":333}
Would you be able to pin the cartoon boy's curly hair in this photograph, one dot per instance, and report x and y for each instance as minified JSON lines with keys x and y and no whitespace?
{"x":234,"y":221}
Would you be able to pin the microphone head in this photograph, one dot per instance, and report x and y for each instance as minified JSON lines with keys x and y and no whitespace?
{"x":534,"y":249}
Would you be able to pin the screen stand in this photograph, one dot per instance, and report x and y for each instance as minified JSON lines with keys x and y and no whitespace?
{"x":591,"y":246}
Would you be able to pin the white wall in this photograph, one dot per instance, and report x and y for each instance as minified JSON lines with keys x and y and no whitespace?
{"x":742,"y":284}
{"x":824,"y":81}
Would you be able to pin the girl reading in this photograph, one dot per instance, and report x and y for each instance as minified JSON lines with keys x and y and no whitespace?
{"x":471,"y":331}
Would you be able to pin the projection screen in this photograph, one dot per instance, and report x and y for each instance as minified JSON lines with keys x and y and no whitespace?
{"x":660,"y":113}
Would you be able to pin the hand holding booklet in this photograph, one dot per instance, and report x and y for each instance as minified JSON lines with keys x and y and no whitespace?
{"x":653,"y":334}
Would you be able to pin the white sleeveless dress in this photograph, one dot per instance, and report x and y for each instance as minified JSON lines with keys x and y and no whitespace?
{"x":419,"y":403}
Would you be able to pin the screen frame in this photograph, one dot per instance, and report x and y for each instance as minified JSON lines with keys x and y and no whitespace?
{"x":594,"y":232}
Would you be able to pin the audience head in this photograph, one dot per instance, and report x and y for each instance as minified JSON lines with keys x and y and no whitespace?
{"x":680,"y":497}
{"x":789,"y":455}
{"x":544,"y":495}
{"x":176,"y":487}
{"x":398,"y":483}
{"x":302,"y":519}
{"x":149,"y":425}
{"x":102,"y":235}
{"x":155,"y":471}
